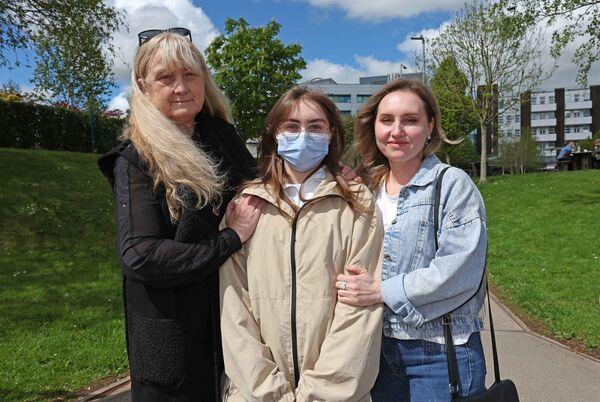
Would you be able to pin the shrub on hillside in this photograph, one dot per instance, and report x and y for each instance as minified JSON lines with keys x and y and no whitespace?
{"x":29,"y":125}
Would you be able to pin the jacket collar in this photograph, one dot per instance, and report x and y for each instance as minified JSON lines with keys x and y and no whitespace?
{"x":427,"y":172}
{"x":328,"y":187}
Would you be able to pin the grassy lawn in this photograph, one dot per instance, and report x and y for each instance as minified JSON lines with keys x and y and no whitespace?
{"x":61,"y":323}
{"x":544,"y":241}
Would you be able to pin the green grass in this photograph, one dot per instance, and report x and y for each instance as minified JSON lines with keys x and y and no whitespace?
{"x":61,"y":323}
{"x":544,"y":242}
{"x":61,"y":320}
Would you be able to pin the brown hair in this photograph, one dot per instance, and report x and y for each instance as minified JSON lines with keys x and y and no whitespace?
{"x":373,"y":164}
{"x":270,"y":166}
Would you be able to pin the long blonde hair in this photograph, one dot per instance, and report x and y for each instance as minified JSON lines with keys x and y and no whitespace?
{"x":373,"y":164}
{"x":173,"y":159}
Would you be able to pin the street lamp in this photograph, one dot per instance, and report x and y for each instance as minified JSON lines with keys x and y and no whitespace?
{"x":422,"y":39}
{"x":402,"y":67}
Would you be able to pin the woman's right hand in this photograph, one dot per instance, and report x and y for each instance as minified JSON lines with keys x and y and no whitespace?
{"x":243,"y":215}
{"x":358,"y":288}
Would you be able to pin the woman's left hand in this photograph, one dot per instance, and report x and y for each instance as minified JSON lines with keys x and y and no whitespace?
{"x":349,"y":174}
{"x":361,"y":289}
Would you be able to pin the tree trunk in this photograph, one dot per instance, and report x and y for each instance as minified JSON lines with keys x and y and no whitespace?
{"x":483,"y":160}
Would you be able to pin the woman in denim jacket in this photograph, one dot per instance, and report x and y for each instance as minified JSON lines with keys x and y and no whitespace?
{"x":397,"y":132}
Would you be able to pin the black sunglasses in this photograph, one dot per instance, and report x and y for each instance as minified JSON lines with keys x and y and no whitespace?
{"x":148,"y":34}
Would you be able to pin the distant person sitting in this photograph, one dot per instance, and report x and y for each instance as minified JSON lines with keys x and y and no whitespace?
{"x":566,"y":153}
{"x":596,"y":153}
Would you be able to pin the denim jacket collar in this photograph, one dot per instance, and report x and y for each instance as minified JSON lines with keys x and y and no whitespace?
{"x":427,"y":172}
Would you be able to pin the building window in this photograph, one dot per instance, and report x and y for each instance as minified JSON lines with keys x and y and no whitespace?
{"x":568,"y":114}
{"x":534,"y":116}
{"x":541,"y":131}
{"x":577,"y":113}
{"x":551,"y":99}
{"x":345,"y":112}
{"x":534,"y":100}
{"x":567,"y":129}
{"x":517,"y":132}
{"x":508,"y":119}
{"x":340,"y":98}
{"x":551,"y":130}
{"x":586,"y":113}
{"x":576,"y":129}
{"x":586,"y":95}
{"x":542,"y":100}
{"x":500,"y":119}
{"x":517,"y":118}
{"x":362,"y":98}
{"x":576,"y":97}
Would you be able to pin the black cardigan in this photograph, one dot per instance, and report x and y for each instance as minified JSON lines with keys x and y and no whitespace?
{"x":171,"y":270}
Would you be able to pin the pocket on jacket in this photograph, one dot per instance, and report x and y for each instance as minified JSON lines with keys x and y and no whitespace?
{"x":421,"y":244}
{"x":157,"y":350}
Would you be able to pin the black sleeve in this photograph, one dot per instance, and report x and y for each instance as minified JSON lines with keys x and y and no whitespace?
{"x":147,"y":254}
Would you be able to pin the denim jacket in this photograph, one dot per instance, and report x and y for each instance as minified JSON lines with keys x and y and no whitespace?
{"x":419,"y":285}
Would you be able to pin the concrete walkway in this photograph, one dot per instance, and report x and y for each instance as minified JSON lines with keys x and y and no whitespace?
{"x":542,"y":369}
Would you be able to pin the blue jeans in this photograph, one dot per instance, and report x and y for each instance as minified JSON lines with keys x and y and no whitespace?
{"x":416,"y":370}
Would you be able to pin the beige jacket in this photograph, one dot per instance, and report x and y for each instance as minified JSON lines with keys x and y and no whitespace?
{"x":285,"y":336}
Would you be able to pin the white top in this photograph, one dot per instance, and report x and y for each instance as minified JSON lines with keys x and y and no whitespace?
{"x":388,"y":206}
{"x":292,"y":190}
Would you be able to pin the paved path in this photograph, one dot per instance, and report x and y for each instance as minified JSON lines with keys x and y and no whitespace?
{"x":542,"y":369}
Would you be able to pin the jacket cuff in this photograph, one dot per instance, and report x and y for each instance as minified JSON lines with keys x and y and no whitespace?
{"x":234,"y":244}
{"x":393,"y":294}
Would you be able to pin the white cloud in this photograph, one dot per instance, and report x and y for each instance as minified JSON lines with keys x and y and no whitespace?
{"x":120,"y":101}
{"x":564,"y":75}
{"x":387,"y":9}
{"x":566,"y":71}
{"x":409,"y":46}
{"x":149,"y":14}
{"x":345,"y":74}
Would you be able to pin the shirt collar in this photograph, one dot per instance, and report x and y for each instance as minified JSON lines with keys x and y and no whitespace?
{"x":427,"y":172}
{"x":312,"y":181}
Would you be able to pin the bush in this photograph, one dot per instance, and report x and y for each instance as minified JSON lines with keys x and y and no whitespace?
{"x":28,"y":125}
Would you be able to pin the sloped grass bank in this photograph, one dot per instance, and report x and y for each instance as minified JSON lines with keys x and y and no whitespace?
{"x":61,"y":324}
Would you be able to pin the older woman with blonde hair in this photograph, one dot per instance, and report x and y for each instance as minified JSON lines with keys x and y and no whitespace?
{"x":173,"y":175}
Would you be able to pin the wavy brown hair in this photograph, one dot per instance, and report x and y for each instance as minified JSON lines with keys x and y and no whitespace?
{"x":271,"y":170}
{"x":373,"y":165}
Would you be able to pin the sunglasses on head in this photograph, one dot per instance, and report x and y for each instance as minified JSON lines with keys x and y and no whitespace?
{"x":148,"y":34}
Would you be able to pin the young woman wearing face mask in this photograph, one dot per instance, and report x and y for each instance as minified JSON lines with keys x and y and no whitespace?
{"x":398,"y":131}
{"x":285,"y":336}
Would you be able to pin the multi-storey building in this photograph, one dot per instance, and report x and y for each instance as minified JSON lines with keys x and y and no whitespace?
{"x":553,"y":116}
{"x":349,"y":98}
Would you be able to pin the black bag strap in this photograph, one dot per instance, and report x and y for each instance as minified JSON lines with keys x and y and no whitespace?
{"x":453,"y":376}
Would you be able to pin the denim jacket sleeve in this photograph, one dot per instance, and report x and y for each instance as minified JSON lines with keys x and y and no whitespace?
{"x":455,"y":272}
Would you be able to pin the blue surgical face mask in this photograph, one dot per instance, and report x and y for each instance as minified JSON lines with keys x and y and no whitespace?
{"x":303,"y":151}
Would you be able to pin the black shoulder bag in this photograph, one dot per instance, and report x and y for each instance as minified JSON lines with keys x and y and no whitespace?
{"x":501,"y":390}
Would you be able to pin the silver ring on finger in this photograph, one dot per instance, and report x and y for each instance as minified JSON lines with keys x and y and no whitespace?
{"x":342,"y":285}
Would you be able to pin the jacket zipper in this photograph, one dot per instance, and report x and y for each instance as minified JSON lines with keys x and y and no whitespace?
{"x":293,"y":310}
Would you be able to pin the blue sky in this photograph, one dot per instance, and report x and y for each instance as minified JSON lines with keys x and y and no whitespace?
{"x":341,"y":39}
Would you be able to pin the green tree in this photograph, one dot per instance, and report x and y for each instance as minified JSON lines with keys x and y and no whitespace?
{"x":450,"y":87}
{"x":521,"y":155}
{"x":11,"y":92}
{"x":496,"y":56}
{"x":72,"y":43}
{"x":579,"y":18}
{"x":254,"y":68}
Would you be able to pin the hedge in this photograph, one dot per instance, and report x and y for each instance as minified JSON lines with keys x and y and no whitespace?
{"x":28,"y":125}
